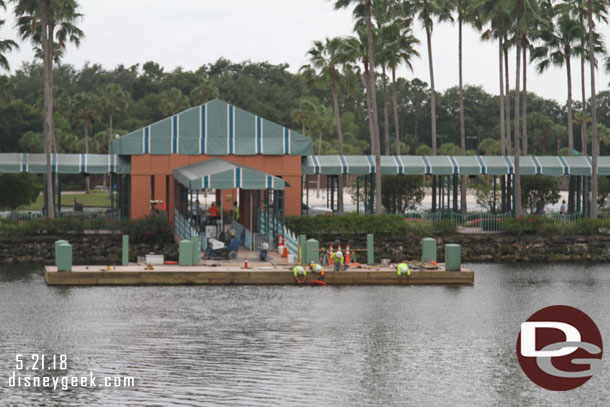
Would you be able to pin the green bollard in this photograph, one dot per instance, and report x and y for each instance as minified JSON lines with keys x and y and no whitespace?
{"x":64,"y":257}
{"x":125,"y":258}
{"x":302,"y":250}
{"x":57,"y":243}
{"x":453,"y":257}
{"x":370,"y":249}
{"x":312,"y":252}
{"x":428,"y":250}
{"x":196,"y":250}
{"x":185,"y":253}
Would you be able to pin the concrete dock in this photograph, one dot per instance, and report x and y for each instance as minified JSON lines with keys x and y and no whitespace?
{"x":235,"y":273}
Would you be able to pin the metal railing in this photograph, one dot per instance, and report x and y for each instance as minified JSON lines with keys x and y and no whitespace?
{"x":275,"y":229}
{"x":185,"y":230}
{"x":239,"y":230}
{"x":113,"y":215}
{"x":485,"y":221}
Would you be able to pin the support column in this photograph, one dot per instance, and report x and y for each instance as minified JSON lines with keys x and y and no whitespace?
{"x":455,"y":193}
{"x":578,"y":193}
{"x":433,"y":193}
{"x":494,"y":209}
{"x":503,"y":193}
{"x":358,"y":195}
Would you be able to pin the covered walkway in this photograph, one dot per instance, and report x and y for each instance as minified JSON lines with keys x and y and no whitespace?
{"x":446,"y":170}
{"x":261,"y":195}
{"x":117,"y":167}
{"x":452,"y":165}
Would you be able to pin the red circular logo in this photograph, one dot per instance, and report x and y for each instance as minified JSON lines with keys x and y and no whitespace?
{"x":559,"y":348}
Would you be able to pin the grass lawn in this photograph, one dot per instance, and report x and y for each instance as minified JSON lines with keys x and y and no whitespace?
{"x":67,"y":200}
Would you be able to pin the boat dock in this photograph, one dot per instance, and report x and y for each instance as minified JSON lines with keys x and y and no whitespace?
{"x":227,"y":273}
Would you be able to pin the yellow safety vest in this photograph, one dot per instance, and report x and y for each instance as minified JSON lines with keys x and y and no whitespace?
{"x":400,"y":269}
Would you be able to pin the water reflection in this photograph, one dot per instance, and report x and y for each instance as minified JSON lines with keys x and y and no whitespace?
{"x":261,"y":346}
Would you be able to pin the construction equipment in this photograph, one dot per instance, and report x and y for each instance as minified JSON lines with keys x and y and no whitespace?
{"x":264,"y":253}
{"x":219,"y":250}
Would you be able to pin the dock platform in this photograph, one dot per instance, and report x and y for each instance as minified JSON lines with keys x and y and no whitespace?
{"x":234,"y":273}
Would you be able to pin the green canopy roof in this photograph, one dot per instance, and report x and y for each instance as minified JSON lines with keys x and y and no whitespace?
{"x":220,"y":174}
{"x":447,"y":164}
{"x":64,"y":163}
{"x":214,"y":128}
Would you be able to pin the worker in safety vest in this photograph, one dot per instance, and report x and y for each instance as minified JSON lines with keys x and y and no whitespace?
{"x":339,"y":261}
{"x":235,"y":211}
{"x":316,"y":268}
{"x":300,"y":274}
{"x":403,"y":271}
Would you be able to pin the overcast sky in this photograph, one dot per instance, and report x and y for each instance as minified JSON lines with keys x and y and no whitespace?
{"x":190,"y":33}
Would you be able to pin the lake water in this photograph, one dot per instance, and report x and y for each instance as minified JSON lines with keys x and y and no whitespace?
{"x":309,"y":346}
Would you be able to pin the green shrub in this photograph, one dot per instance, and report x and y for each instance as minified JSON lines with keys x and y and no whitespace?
{"x":390,"y":225}
{"x":539,"y":225}
{"x":152,"y":229}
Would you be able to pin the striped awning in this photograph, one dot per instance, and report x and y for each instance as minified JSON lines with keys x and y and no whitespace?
{"x":447,"y":165}
{"x":64,"y":163}
{"x":213,"y":128}
{"x":220,"y":174}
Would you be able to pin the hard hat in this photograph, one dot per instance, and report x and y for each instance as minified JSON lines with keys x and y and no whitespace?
{"x":339,"y":254}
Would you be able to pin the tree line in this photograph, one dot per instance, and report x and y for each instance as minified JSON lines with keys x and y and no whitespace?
{"x":333,"y":99}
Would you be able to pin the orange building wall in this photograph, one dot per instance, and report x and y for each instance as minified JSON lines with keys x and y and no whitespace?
{"x":143,"y":166}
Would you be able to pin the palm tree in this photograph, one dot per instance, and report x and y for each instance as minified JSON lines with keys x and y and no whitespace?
{"x":113,"y":99}
{"x":356,"y":49}
{"x":371,"y":80}
{"x":321,"y":118}
{"x":558,"y":41}
{"x":517,"y":176}
{"x":303,"y":112}
{"x":325,"y":58}
{"x":203,"y":92}
{"x":594,"y":143}
{"x":45,"y":22}
{"x":88,"y":109}
{"x":172,"y":101}
{"x":465,"y":13}
{"x":400,"y":49}
{"x":5,"y":45}
{"x":426,"y":11}
{"x":496,"y":13}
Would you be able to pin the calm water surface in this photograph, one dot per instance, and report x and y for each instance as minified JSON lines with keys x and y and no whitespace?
{"x":325,"y":346}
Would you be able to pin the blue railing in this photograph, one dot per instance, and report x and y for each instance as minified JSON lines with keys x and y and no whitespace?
{"x":275,"y":229}
{"x":185,"y":231}
{"x":239,"y":229}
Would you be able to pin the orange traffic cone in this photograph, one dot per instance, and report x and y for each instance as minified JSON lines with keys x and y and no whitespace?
{"x":330,"y":256}
{"x":246,"y":263}
{"x":285,"y":253}
{"x":348,"y":259}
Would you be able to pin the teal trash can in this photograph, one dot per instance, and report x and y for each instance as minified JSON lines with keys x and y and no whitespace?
{"x":453,"y":257}
{"x":57,"y":243}
{"x":428,"y":250}
{"x":312,"y":252}
{"x":196,"y":250}
{"x":64,"y":257}
{"x":185,"y":253}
